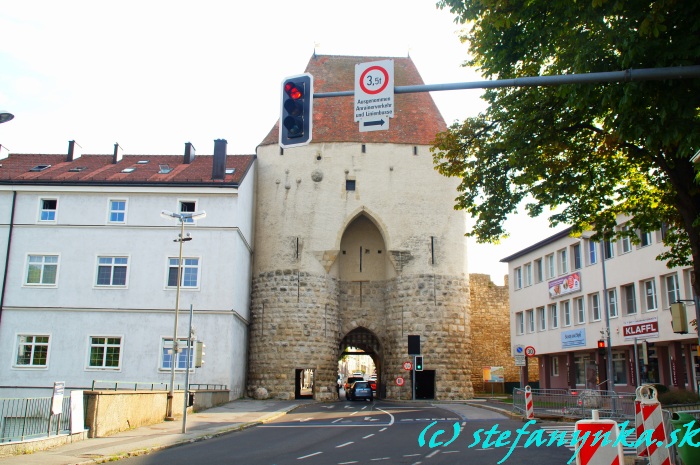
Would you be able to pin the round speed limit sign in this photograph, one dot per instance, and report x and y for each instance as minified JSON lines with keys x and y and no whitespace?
{"x":530,"y":351}
{"x":399,"y":381}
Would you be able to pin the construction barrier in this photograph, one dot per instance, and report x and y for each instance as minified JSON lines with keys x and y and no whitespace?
{"x":529,"y":405}
{"x":599,"y":453}
{"x":650,"y":423}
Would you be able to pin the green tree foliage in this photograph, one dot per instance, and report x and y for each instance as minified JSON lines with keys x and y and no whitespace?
{"x":588,"y":151}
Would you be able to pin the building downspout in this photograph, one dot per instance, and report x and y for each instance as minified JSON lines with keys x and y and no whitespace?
{"x":7,"y":252}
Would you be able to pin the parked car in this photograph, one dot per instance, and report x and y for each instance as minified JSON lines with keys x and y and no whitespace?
{"x":360,"y":390}
{"x":349,"y":381}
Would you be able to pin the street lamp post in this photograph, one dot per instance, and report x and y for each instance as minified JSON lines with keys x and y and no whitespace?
{"x":182,"y":217}
{"x":608,"y":343}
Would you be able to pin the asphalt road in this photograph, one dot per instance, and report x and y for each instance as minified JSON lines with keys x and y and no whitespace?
{"x":361,"y":432}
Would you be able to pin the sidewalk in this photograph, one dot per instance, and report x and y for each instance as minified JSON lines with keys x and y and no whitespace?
{"x":233,"y":416}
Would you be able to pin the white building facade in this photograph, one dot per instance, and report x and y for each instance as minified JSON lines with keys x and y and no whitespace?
{"x":90,"y":269}
{"x":558,"y":303}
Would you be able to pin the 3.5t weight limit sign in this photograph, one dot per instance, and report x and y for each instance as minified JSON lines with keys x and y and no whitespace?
{"x":374,"y":94}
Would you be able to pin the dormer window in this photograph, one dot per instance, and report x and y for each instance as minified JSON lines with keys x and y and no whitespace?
{"x":164,"y":169}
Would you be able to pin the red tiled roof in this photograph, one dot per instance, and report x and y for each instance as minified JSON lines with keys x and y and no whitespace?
{"x":99,"y":169}
{"x":417,"y":119}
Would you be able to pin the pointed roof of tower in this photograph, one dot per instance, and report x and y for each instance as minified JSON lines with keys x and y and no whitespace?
{"x":417,"y":119}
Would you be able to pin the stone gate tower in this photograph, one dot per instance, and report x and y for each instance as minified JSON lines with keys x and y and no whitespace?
{"x":358,"y":245}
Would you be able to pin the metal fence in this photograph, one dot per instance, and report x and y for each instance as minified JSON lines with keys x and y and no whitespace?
{"x":577,"y":403}
{"x":22,"y":419}
{"x":150,"y":386}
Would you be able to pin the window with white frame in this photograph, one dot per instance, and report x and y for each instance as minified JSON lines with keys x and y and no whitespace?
{"x":539,"y":271}
{"x":644,"y":238}
{"x":530,"y":321}
{"x":594,"y":303}
{"x":592,"y":252}
{"x":189,"y":272}
{"x":554,"y":316}
{"x":48,"y":210}
{"x":112,"y":271}
{"x":630,"y":299}
{"x":542,"y":317}
{"x":578,"y":262}
{"x":551,"y":266}
{"x":519,"y":323}
{"x":649,"y":287}
{"x":580,"y":310}
{"x":626,"y":242}
{"x":673,"y":293}
{"x":42,"y":270}
{"x":188,"y":206}
{"x":117,"y":211}
{"x":528,"y":274}
{"x":612,"y":303}
{"x":563,"y":261}
{"x":555,"y":366}
{"x":181,"y":358}
{"x":32,"y":351}
{"x":518,"y":278}
{"x":105,"y":352}
{"x":566,"y":312}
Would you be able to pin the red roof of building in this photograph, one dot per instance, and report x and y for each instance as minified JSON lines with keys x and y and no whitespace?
{"x":99,"y":169}
{"x":417,"y":119}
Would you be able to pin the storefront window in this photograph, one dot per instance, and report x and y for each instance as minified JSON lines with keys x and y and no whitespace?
{"x":619,"y":368}
{"x":580,"y":363}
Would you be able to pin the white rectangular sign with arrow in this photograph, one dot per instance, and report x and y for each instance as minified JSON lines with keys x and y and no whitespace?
{"x":374,"y":95}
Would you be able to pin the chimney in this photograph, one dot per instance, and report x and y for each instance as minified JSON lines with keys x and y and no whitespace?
{"x":117,"y":154}
{"x":74,"y":151}
{"x":189,"y":153}
{"x":218,"y":169}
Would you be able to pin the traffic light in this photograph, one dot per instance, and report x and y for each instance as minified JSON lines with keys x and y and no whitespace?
{"x":419,"y":363}
{"x":199,"y":354}
{"x":679,"y":319}
{"x":601,"y":346}
{"x":296,"y":120}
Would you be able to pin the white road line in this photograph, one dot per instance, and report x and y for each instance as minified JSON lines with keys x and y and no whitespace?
{"x":368,"y":436}
{"x":306,"y":419}
{"x":347,"y":463}
{"x":346,"y":444}
{"x":432,"y":454}
{"x":310,"y":455}
{"x":355,"y":412}
{"x":450,"y":452}
{"x":411,"y":455}
{"x":382,"y":430}
{"x":378,"y":459}
{"x":336,"y":421}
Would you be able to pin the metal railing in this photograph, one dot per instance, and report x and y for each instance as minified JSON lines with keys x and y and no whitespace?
{"x":576,"y":403}
{"x":150,"y":386}
{"x":208,"y":387}
{"x":22,"y":419}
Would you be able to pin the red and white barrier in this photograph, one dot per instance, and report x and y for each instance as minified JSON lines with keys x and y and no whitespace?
{"x":529,"y":404}
{"x":598,"y":454}
{"x":652,"y":419}
{"x":639,"y":424}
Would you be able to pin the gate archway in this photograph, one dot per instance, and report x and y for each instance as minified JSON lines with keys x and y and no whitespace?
{"x":362,"y":341}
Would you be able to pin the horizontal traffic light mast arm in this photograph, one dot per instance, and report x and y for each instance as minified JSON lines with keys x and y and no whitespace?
{"x":645,"y":74}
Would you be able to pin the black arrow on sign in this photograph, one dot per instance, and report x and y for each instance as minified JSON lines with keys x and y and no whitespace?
{"x":373,"y":123}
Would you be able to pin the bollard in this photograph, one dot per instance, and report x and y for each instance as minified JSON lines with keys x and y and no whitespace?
{"x":529,"y":404}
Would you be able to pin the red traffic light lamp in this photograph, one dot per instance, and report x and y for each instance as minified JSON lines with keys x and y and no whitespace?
{"x":296,"y":119}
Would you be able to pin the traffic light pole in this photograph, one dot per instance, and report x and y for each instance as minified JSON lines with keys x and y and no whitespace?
{"x":644,"y":74}
{"x":413,"y":379}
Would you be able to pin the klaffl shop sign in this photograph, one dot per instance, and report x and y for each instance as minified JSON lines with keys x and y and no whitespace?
{"x":641,"y":329}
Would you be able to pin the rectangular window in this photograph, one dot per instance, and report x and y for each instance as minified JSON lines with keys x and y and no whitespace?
{"x":33,"y":351}
{"x":555,"y":366}
{"x":580,"y":310}
{"x":626,"y":241}
{"x":649,"y":287}
{"x":188,"y":207}
{"x":554,"y":315}
{"x":519,"y":323}
{"x":111,"y":271}
{"x":645,"y":239}
{"x":563,"y":261}
{"x":612,"y":303}
{"x":48,"y":209}
{"x":608,"y":250}
{"x":518,"y":283}
{"x":180,"y":359}
{"x":42,"y":269}
{"x":673,"y":292}
{"x":566,"y":311}
{"x":189,"y":272}
{"x":542,"y":317}
{"x":105,"y":352}
{"x":619,"y":368}
{"x":580,"y":367}
{"x":551,"y":266}
{"x":594,"y":301}
{"x":539,"y":271}
{"x":630,"y":299}
{"x":592,"y":253}
{"x":117,"y":211}
{"x":528,"y":274}
{"x":531,"y":321}
{"x":577,"y":257}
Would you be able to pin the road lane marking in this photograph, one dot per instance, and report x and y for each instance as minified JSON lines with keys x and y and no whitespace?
{"x":432,"y":454}
{"x":336,"y":421}
{"x":346,"y":444}
{"x":310,"y":455}
{"x":378,"y":459}
{"x":368,"y":436}
{"x":306,"y":419}
{"x":382,"y":430}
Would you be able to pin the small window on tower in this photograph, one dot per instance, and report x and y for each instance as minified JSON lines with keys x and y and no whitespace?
{"x":349,"y":184}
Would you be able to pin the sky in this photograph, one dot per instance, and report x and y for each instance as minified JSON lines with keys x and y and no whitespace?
{"x":152,"y":75}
